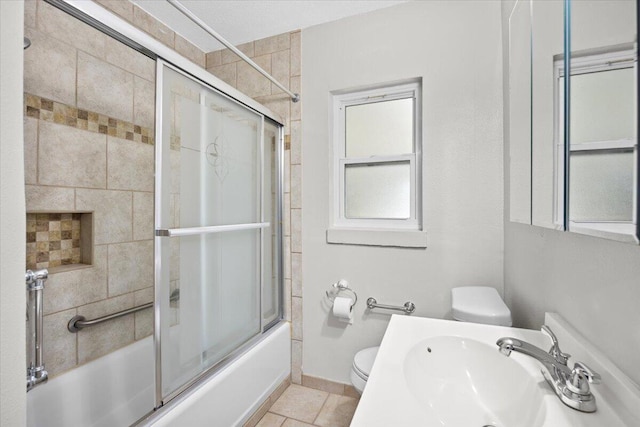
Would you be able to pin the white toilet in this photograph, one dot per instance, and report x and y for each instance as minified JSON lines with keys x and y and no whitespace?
{"x":474,"y":304}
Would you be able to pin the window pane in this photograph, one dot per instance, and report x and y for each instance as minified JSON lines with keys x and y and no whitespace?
{"x":378,"y":190}
{"x":602,"y":106}
{"x":601,"y":186}
{"x":379,"y":129}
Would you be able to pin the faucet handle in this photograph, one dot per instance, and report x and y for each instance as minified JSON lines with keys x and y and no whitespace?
{"x":555,"y":347}
{"x":581,"y":377}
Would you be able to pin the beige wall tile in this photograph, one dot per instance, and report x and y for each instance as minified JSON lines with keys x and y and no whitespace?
{"x":124,"y":8}
{"x":30,"y":13}
{"x":62,"y":26}
{"x":246,"y":48}
{"x":295,"y":54}
{"x":104,"y":88}
{"x":322,"y":384}
{"x":131,"y":165}
{"x":128,"y":59}
{"x":279,"y":104}
{"x":143,"y":319}
{"x":71,"y":157}
{"x":286,"y":215}
{"x":296,"y":143}
{"x":287,"y":171}
{"x":59,"y":347}
{"x":49,"y":199}
{"x":250,"y":81}
{"x":296,"y":274}
{"x":143,"y":226}
{"x":337,"y":411}
{"x":30,"y":150}
{"x":296,"y":107}
{"x":296,"y":362}
{"x":351,"y":391}
{"x":130,"y":266}
{"x":280,"y":70}
{"x":144,"y":107}
{"x":227,"y":73}
{"x":296,"y":230}
{"x":213,"y":59}
{"x":286,"y":253}
{"x":190,"y":51}
{"x":296,"y":318}
{"x":151,"y":25}
{"x":69,"y":289}
{"x":286,"y":303}
{"x":44,"y":55}
{"x":112,"y":213}
{"x":104,"y":338}
{"x":296,"y":186}
{"x":272,"y":44}
{"x":299,"y":402}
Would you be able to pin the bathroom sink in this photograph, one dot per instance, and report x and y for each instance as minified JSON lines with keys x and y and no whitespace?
{"x":442,"y":373}
{"x":459,"y":381}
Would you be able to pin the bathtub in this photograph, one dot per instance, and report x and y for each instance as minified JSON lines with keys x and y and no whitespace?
{"x":118,"y":389}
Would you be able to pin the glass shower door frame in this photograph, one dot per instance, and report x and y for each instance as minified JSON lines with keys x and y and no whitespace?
{"x":161,"y":234}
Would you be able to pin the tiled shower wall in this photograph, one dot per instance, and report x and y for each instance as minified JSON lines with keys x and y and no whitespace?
{"x":89,"y":118}
{"x":280,"y":56}
{"x":88,"y":147}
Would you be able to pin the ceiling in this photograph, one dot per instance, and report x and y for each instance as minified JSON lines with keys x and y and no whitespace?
{"x":241,"y":21}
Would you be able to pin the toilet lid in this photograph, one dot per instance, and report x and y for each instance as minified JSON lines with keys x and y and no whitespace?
{"x":363,"y":361}
{"x":479,"y":304}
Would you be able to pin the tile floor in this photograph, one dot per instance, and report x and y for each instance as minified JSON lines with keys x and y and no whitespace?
{"x":307,"y":407}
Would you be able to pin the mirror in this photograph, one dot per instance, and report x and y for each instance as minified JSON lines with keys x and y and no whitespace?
{"x":603,"y":119}
{"x":601,"y":112}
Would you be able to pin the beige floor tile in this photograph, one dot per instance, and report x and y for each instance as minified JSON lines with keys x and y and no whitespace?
{"x":301,"y":403}
{"x":295,"y":423}
{"x":337,"y":411}
{"x":271,"y":420}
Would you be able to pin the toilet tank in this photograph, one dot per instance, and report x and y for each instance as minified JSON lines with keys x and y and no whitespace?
{"x":479,"y":304}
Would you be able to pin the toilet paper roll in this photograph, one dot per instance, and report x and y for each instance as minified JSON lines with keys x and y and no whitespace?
{"x":342,"y":309}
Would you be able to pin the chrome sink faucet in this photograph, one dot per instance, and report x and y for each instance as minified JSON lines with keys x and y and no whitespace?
{"x":570,"y":385}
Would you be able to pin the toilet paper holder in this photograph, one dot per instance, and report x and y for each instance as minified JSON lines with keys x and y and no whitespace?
{"x":338,"y":288}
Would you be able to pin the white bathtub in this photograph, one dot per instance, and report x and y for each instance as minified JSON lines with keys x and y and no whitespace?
{"x":118,"y":389}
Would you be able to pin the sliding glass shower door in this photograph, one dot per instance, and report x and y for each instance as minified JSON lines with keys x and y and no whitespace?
{"x":217,"y":228}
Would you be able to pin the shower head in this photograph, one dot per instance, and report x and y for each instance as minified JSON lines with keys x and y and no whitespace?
{"x":27,"y":42}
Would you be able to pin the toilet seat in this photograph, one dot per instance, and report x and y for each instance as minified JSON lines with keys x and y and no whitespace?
{"x":363,"y":362}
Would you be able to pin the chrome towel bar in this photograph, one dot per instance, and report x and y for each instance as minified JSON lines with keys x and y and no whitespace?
{"x":80,"y":322}
{"x":36,"y":372}
{"x":408,"y":306}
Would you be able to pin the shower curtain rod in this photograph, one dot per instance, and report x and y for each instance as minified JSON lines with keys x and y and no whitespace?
{"x":186,"y":12}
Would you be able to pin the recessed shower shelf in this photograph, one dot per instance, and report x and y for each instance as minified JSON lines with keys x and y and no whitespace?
{"x":59,"y":241}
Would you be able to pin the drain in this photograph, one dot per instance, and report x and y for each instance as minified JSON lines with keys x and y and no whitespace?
{"x":488,"y":425}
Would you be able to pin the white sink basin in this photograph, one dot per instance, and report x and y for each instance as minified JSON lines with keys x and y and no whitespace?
{"x":441,"y":373}
{"x":448,"y":373}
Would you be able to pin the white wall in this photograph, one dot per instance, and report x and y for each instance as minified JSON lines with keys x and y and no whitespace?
{"x":456,"y":48}
{"x":12,"y":219}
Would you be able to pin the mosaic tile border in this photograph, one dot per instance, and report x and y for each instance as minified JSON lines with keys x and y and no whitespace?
{"x":56,"y":112}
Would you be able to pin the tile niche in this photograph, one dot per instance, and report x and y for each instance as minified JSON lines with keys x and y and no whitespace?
{"x":59,"y":241}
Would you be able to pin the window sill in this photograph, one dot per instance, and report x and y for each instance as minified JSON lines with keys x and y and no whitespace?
{"x":377,"y":237}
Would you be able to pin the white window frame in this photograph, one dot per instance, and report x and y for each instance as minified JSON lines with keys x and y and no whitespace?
{"x":582,"y":65}
{"x":376,"y":231}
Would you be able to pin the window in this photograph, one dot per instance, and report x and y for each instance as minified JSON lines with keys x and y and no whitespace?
{"x":603,"y":142}
{"x":377,"y":166}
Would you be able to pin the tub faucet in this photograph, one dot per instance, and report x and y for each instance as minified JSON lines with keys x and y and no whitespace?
{"x":570,"y":385}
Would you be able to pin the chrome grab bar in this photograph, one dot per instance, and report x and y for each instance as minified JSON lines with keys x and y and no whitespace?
{"x":36,"y":373}
{"x":76,"y":323}
{"x":408,"y":306}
